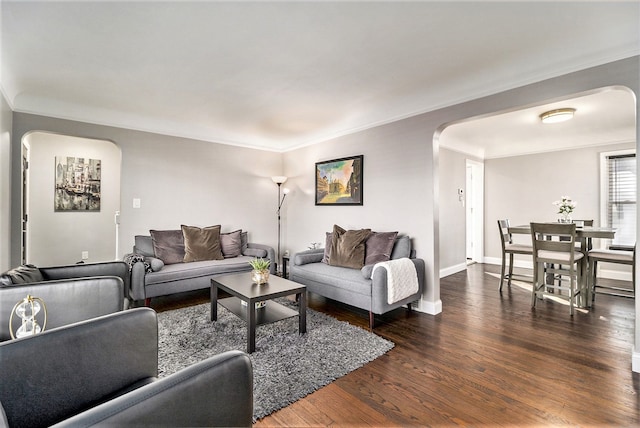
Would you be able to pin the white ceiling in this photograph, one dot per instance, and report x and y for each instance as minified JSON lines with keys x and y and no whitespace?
{"x":280,"y":75}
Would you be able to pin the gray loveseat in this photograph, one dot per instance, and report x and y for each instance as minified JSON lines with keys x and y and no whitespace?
{"x":71,"y":376}
{"x":151,"y":277}
{"x":355,"y":287}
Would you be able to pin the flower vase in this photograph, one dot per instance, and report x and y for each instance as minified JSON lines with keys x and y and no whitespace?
{"x":566,"y":218}
{"x":260,"y":276}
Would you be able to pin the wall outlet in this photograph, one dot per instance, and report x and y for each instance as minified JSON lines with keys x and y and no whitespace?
{"x":85,"y":255}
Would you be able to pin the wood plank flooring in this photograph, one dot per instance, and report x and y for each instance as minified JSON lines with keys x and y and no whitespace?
{"x":487,"y":359}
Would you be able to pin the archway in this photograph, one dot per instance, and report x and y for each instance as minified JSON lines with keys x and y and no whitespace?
{"x":71,"y":198}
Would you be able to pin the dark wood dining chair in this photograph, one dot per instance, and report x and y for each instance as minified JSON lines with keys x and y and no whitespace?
{"x":626,"y":256}
{"x":509,"y":248}
{"x":555,"y":244}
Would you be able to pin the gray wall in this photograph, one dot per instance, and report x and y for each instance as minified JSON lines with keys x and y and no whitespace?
{"x":5,"y":183}
{"x":59,"y":238}
{"x":398,"y":169}
{"x":179,"y":181}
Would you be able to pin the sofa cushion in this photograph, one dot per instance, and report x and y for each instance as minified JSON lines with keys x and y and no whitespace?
{"x":21,"y":275}
{"x":201,"y":243}
{"x":378,"y":247}
{"x":332,"y":277}
{"x":347,"y":247}
{"x":168,"y":245}
{"x":231,"y":243}
{"x":179,"y":273}
{"x":402,"y":248}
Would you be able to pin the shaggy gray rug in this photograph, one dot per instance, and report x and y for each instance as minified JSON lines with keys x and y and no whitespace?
{"x":286,"y":366}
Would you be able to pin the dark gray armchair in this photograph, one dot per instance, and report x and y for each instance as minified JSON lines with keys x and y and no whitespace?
{"x":67,"y":300}
{"x":68,"y":377}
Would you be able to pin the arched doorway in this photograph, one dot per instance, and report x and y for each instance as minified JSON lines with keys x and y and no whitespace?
{"x":71,"y":198}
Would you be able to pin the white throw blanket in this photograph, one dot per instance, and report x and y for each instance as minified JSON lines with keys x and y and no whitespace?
{"x":402,"y":278}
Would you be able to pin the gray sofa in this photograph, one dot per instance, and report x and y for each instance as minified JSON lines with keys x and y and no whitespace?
{"x":355,"y":287}
{"x":159,"y":279}
{"x":69,"y":376}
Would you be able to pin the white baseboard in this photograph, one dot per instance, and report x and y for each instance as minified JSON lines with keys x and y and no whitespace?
{"x":431,"y":308}
{"x":452,"y":269}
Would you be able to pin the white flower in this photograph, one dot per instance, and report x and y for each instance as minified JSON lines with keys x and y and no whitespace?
{"x":565,"y":205}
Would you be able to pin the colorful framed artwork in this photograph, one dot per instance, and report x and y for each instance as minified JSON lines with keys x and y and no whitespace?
{"x":78,"y":183}
{"x":339,"y":181}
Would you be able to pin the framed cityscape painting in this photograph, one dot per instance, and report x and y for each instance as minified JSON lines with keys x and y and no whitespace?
{"x":77,"y":184}
{"x":339,"y":181}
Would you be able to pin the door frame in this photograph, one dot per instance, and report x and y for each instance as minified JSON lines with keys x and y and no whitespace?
{"x":474,"y":212}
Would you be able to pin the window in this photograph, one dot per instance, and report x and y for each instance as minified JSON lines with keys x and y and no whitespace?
{"x":619,"y":195}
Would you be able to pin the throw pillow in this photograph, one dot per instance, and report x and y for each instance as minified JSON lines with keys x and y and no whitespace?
{"x":201,"y":243}
{"x":327,"y":248}
{"x":378,"y":247}
{"x":23,"y":275}
{"x":245,"y":243}
{"x":402,"y":248}
{"x":231,"y":243}
{"x":347,"y":247}
{"x":168,"y":245}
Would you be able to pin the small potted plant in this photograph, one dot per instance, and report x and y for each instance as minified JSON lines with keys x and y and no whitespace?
{"x":260,"y":272}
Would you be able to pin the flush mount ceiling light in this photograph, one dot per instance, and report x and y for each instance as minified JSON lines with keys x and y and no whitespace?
{"x":558,"y":115}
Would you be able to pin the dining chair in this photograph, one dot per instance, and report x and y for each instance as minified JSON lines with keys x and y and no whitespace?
{"x":588,"y":245}
{"x":620,"y":256}
{"x":555,"y":243}
{"x":509,"y":248}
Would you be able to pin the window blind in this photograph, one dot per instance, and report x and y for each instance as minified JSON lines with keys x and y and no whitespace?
{"x":621,"y":198}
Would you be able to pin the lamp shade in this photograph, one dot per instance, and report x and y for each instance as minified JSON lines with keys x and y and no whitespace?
{"x":279,"y":179}
{"x":558,"y":115}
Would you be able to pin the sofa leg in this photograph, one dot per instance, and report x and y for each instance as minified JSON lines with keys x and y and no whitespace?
{"x":147,"y":301}
{"x":372,"y":320}
{"x":409,"y":306}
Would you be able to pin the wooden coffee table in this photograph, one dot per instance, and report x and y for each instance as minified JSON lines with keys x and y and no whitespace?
{"x":242,"y":289}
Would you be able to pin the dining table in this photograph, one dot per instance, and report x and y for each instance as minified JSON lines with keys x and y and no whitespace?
{"x":584,"y":234}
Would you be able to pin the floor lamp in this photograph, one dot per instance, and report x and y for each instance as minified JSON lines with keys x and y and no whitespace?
{"x":279,"y":180}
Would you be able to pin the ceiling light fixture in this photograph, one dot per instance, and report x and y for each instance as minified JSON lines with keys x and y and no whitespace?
{"x":558,"y":115}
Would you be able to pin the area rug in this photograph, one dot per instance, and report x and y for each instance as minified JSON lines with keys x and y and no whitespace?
{"x":286,"y":365}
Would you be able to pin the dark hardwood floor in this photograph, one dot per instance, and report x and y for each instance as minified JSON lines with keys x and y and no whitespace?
{"x":487,"y":359}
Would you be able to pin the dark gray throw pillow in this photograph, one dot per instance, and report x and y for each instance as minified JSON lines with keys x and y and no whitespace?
{"x":327,"y":248}
{"x":168,"y":245}
{"x":347,"y":247}
{"x":231,"y":243}
{"x":378,"y":247}
{"x":22,"y":275}
{"x":201,"y":243}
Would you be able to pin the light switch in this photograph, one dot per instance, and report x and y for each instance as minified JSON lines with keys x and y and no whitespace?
{"x":136,"y":202}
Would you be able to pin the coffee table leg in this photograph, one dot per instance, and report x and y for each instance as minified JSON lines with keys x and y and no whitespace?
{"x":214,"y":301}
{"x":251,"y":327}
{"x":302,"y":312}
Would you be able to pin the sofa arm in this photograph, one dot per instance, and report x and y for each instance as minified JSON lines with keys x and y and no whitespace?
{"x":379,"y":282}
{"x":215,"y":392}
{"x":308,"y":256}
{"x":271,"y":254}
{"x":137,"y":290}
{"x":83,"y":270}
